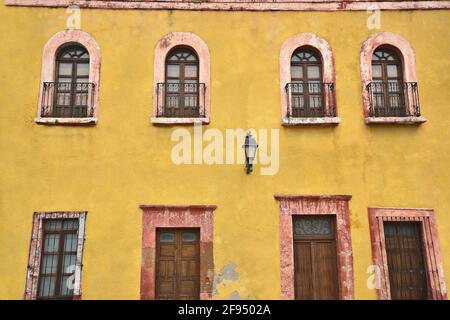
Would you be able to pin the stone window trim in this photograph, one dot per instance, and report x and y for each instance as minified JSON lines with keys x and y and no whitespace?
{"x":407,"y":56}
{"x":35,"y":250}
{"x":163,"y":47}
{"x":48,"y":72}
{"x":337,"y":205}
{"x":329,"y":76}
{"x":433,"y":260}
{"x":177,"y":216}
{"x":263,"y":5}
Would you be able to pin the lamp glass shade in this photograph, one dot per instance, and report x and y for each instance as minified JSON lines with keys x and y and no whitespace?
{"x":250,"y":147}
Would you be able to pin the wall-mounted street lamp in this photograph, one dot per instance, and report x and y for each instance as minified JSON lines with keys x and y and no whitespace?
{"x":250,"y":147}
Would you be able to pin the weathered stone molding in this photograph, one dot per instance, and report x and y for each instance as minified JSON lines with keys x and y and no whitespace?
{"x":316,"y":204}
{"x":236,"y":5}
{"x":433,"y":260}
{"x":174,"y":216}
{"x":49,"y":66}
{"x":35,"y":251}
{"x":167,"y":43}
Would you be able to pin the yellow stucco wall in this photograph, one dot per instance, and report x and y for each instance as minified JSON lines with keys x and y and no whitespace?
{"x":111,"y":168}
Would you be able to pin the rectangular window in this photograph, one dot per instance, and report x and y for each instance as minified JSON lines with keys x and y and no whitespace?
{"x":315,"y":258}
{"x":177,"y":264}
{"x":59,"y":254}
{"x":404,"y":250}
{"x":406,"y":254}
{"x":54,"y":263}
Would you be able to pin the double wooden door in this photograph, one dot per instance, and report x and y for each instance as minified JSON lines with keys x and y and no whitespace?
{"x":177,"y":264}
{"x":315,"y":258}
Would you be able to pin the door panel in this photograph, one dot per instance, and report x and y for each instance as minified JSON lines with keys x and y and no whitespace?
{"x":177,"y":264}
{"x":315,"y":258}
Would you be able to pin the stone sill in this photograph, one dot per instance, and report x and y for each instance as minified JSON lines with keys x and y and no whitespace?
{"x":310,"y":121}
{"x":395,"y":120}
{"x":67,"y":121}
{"x":163,"y":120}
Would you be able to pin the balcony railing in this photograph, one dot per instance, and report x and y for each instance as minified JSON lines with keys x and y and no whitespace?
{"x":67,"y":100}
{"x":181,"y":100}
{"x":393,"y":99}
{"x":310,"y":100}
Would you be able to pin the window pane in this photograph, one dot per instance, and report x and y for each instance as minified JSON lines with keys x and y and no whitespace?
{"x":392,"y":71}
{"x":55,"y":225}
{"x":49,"y":264}
{"x":313,"y":72}
{"x":376,"y":71}
{"x":46,"y":286}
{"x":312,"y":225}
{"x":173,"y":70}
{"x":70,"y":242}
{"x":190,"y":71}
{"x":82,"y":69}
{"x":167,"y":237}
{"x":71,"y":224}
{"x":67,"y":284}
{"x":296,"y":72}
{"x":65,"y":69}
{"x":51,"y":243}
{"x":189,"y":236}
{"x":69,"y":262}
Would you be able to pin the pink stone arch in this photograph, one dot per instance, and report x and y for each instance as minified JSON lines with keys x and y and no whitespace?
{"x":406,"y":54}
{"x":288,"y":48}
{"x":49,"y":65}
{"x":162,"y":48}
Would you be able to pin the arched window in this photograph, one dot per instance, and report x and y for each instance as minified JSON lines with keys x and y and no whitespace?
{"x":387,"y":83}
{"x":306,"y":85}
{"x":70,"y":79}
{"x":307,"y":80}
{"x":181,"y":67}
{"x":181,"y":85}
{"x":388,"y":72}
{"x":71,"y":88}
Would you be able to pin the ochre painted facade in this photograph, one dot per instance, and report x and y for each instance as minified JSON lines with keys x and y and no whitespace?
{"x":111,"y":168}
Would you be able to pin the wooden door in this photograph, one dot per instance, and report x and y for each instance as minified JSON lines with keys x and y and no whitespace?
{"x":177,"y":264}
{"x":315,"y":258}
{"x":404,"y":251}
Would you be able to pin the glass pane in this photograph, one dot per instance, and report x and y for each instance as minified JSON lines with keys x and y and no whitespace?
{"x":46,"y":286}
{"x":49,"y":264}
{"x":189,"y":236}
{"x":296,"y":72}
{"x":313,"y":72}
{"x":173,"y":70}
{"x":312,"y":225}
{"x":65,"y":69}
{"x":190,"y":71}
{"x":70,"y":224}
{"x":82,"y":69}
{"x":67,"y":284}
{"x":53,"y":225}
{"x":167,"y":237}
{"x":314,"y":87}
{"x":315,"y":101}
{"x":191,"y":57}
{"x":70,"y":242}
{"x":392,"y":71}
{"x":51,"y":243}
{"x":69,"y":262}
{"x":376,"y":71}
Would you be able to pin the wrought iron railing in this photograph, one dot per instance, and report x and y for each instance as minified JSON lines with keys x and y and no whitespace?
{"x":67,"y":100}
{"x":393,"y":99}
{"x":181,"y":100}
{"x":310,"y":100}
